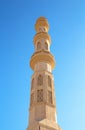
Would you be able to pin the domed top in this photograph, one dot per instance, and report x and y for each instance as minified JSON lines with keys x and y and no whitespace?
{"x":41,"y":18}
{"x":42,"y":25}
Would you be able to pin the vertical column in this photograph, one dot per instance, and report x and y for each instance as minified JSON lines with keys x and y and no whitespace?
{"x":42,"y":97}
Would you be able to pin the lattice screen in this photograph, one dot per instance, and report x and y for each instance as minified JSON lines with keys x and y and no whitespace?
{"x":40,"y":80}
{"x":40,"y":95}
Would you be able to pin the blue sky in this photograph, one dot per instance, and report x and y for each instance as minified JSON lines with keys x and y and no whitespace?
{"x":67,"y":30}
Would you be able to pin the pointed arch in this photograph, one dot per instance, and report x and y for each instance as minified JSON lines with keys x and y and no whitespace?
{"x":40,"y":80}
{"x":38,"y":46}
{"x":49,"y":81}
{"x":46,"y":45}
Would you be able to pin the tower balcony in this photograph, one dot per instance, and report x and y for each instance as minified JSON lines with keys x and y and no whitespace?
{"x":42,"y":35}
{"x":42,"y":56}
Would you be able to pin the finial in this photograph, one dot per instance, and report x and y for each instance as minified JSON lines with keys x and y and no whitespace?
{"x":42,"y":25}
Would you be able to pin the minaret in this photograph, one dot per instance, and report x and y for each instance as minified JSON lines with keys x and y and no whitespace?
{"x":42,"y":111}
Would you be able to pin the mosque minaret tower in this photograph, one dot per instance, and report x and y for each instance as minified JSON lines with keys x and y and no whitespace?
{"x":42,"y":111}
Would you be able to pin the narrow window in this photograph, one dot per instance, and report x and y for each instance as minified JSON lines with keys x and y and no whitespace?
{"x":38,"y":46}
{"x":39,"y":127}
{"x":44,"y":29}
{"x":50,"y":97}
{"x":46,"y":45}
{"x":32,"y":85}
{"x":40,"y":29}
{"x":40,"y":80}
{"x":49,"y":81}
{"x":39,"y":95}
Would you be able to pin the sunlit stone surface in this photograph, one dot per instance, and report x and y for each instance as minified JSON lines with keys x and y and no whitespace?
{"x":42,"y":112}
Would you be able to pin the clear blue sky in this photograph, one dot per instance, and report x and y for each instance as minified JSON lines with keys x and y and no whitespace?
{"x":67,"y":29}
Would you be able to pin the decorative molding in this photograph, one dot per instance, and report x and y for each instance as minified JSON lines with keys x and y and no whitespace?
{"x":42,"y":35}
{"x":42,"y":56}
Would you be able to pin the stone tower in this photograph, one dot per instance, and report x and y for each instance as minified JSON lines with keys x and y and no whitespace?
{"x":42,"y":111}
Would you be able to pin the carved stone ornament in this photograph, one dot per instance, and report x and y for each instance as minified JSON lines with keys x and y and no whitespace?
{"x":40,"y":95}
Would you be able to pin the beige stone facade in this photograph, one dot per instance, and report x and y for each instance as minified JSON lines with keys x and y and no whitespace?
{"x":42,"y":112}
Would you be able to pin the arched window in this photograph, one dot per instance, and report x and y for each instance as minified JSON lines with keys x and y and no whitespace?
{"x":38,"y":46}
{"x":40,"y":80}
{"x":40,"y":29}
{"x":49,"y":81}
{"x":32,"y":84}
{"x":46,"y":45}
{"x":44,"y":29}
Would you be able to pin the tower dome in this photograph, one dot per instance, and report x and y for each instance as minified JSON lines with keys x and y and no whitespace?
{"x":42,"y":25}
